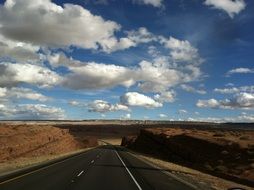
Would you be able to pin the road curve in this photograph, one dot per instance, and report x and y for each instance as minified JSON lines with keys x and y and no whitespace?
{"x":106,"y":167}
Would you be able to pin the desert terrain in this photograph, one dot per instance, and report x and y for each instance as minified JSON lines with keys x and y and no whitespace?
{"x":26,"y":144}
{"x":225,"y":153}
{"x":202,"y":150}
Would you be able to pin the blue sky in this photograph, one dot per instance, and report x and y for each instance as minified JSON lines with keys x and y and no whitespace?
{"x":132,"y":59}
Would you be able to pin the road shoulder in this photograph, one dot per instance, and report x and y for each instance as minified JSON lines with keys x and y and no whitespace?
{"x":198,"y":179}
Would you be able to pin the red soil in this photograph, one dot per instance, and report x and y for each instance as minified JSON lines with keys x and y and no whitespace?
{"x":34,"y":140}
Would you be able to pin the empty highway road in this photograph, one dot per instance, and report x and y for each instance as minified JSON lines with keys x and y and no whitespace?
{"x":106,"y":167}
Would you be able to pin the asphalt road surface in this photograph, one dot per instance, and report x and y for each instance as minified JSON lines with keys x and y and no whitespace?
{"x":104,"y":168}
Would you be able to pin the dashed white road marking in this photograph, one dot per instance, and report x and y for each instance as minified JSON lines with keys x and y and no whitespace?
{"x":46,"y":167}
{"x":132,"y":177}
{"x":80,"y":173}
{"x":92,"y":161}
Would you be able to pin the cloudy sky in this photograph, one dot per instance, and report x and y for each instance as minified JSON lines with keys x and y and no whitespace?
{"x":128,"y":59}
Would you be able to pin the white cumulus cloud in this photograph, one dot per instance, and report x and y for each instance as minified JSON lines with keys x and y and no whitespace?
{"x":191,"y":89}
{"x":236,"y":119}
{"x":95,"y":76}
{"x":162,"y":115}
{"x":14,"y":74}
{"x":160,"y":76}
{"x":21,"y":93}
{"x":232,"y":7}
{"x":31,"y":112}
{"x":102,"y":106}
{"x":18,"y":51}
{"x":137,"y":99}
{"x":233,"y":90}
{"x":155,"y":3}
{"x":181,"y":50}
{"x":240,"y":70}
{"x":182,"y":111}
{"x":56,"y":26}
{"x":150,"y":76}
{"x":241,"y":100}
{"x":167,"y":96}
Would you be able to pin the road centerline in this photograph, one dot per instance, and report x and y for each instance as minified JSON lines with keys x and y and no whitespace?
{"x":132,"y":177}
{"x":80,"y":173}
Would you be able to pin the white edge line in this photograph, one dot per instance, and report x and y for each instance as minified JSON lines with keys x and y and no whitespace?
{"x":135,"y":181}
{"x":80,"y":173}
{"x":165,"y":172}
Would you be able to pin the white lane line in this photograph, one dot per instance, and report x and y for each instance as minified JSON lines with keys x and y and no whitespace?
{"x":165,"y":172}
{"x":48,"y":166}
{"x":135,"y":181}
{"x":80,"y":173}
{"x":92,"y":161}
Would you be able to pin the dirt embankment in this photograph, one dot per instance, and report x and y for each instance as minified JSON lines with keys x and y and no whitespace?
{"x":18,"y":141}
{"x":227,"y":154}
